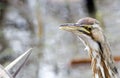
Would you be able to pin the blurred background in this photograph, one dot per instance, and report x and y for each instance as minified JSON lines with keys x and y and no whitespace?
{"x":35,"y":23}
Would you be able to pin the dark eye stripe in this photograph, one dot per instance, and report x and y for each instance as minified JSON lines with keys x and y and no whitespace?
{"x":84,"y":32}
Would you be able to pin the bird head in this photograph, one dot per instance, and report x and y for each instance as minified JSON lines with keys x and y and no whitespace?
{"x":88,"y":29}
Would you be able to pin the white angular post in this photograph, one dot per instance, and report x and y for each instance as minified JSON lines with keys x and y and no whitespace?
{"x":14,"y":67}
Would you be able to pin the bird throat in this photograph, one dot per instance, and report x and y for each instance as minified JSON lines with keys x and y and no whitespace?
{"x":101,"y":59}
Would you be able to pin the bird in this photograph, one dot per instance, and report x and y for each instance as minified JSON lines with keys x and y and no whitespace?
{"x":90,"y":33}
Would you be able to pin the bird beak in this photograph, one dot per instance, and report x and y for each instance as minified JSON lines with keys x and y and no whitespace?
{"x":73,"y":27}
{"x":69,"y":27}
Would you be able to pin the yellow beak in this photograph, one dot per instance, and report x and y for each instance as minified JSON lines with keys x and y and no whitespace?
{"x":73,"y":27}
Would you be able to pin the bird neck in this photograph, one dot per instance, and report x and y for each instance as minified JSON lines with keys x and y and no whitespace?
{"x":102,"y":61}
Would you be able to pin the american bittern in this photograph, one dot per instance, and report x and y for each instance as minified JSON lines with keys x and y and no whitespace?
{"x":91,"y":34}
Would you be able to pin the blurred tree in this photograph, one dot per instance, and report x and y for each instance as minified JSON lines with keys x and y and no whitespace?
{"x":4,"y":55}
{"x":91,"y":8}
{"x":3,"y":5}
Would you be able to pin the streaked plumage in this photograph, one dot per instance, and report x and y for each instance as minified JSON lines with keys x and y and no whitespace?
{"x":91,"y":34}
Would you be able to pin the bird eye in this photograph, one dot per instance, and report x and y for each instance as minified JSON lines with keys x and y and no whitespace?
{"x":88,"y":27}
